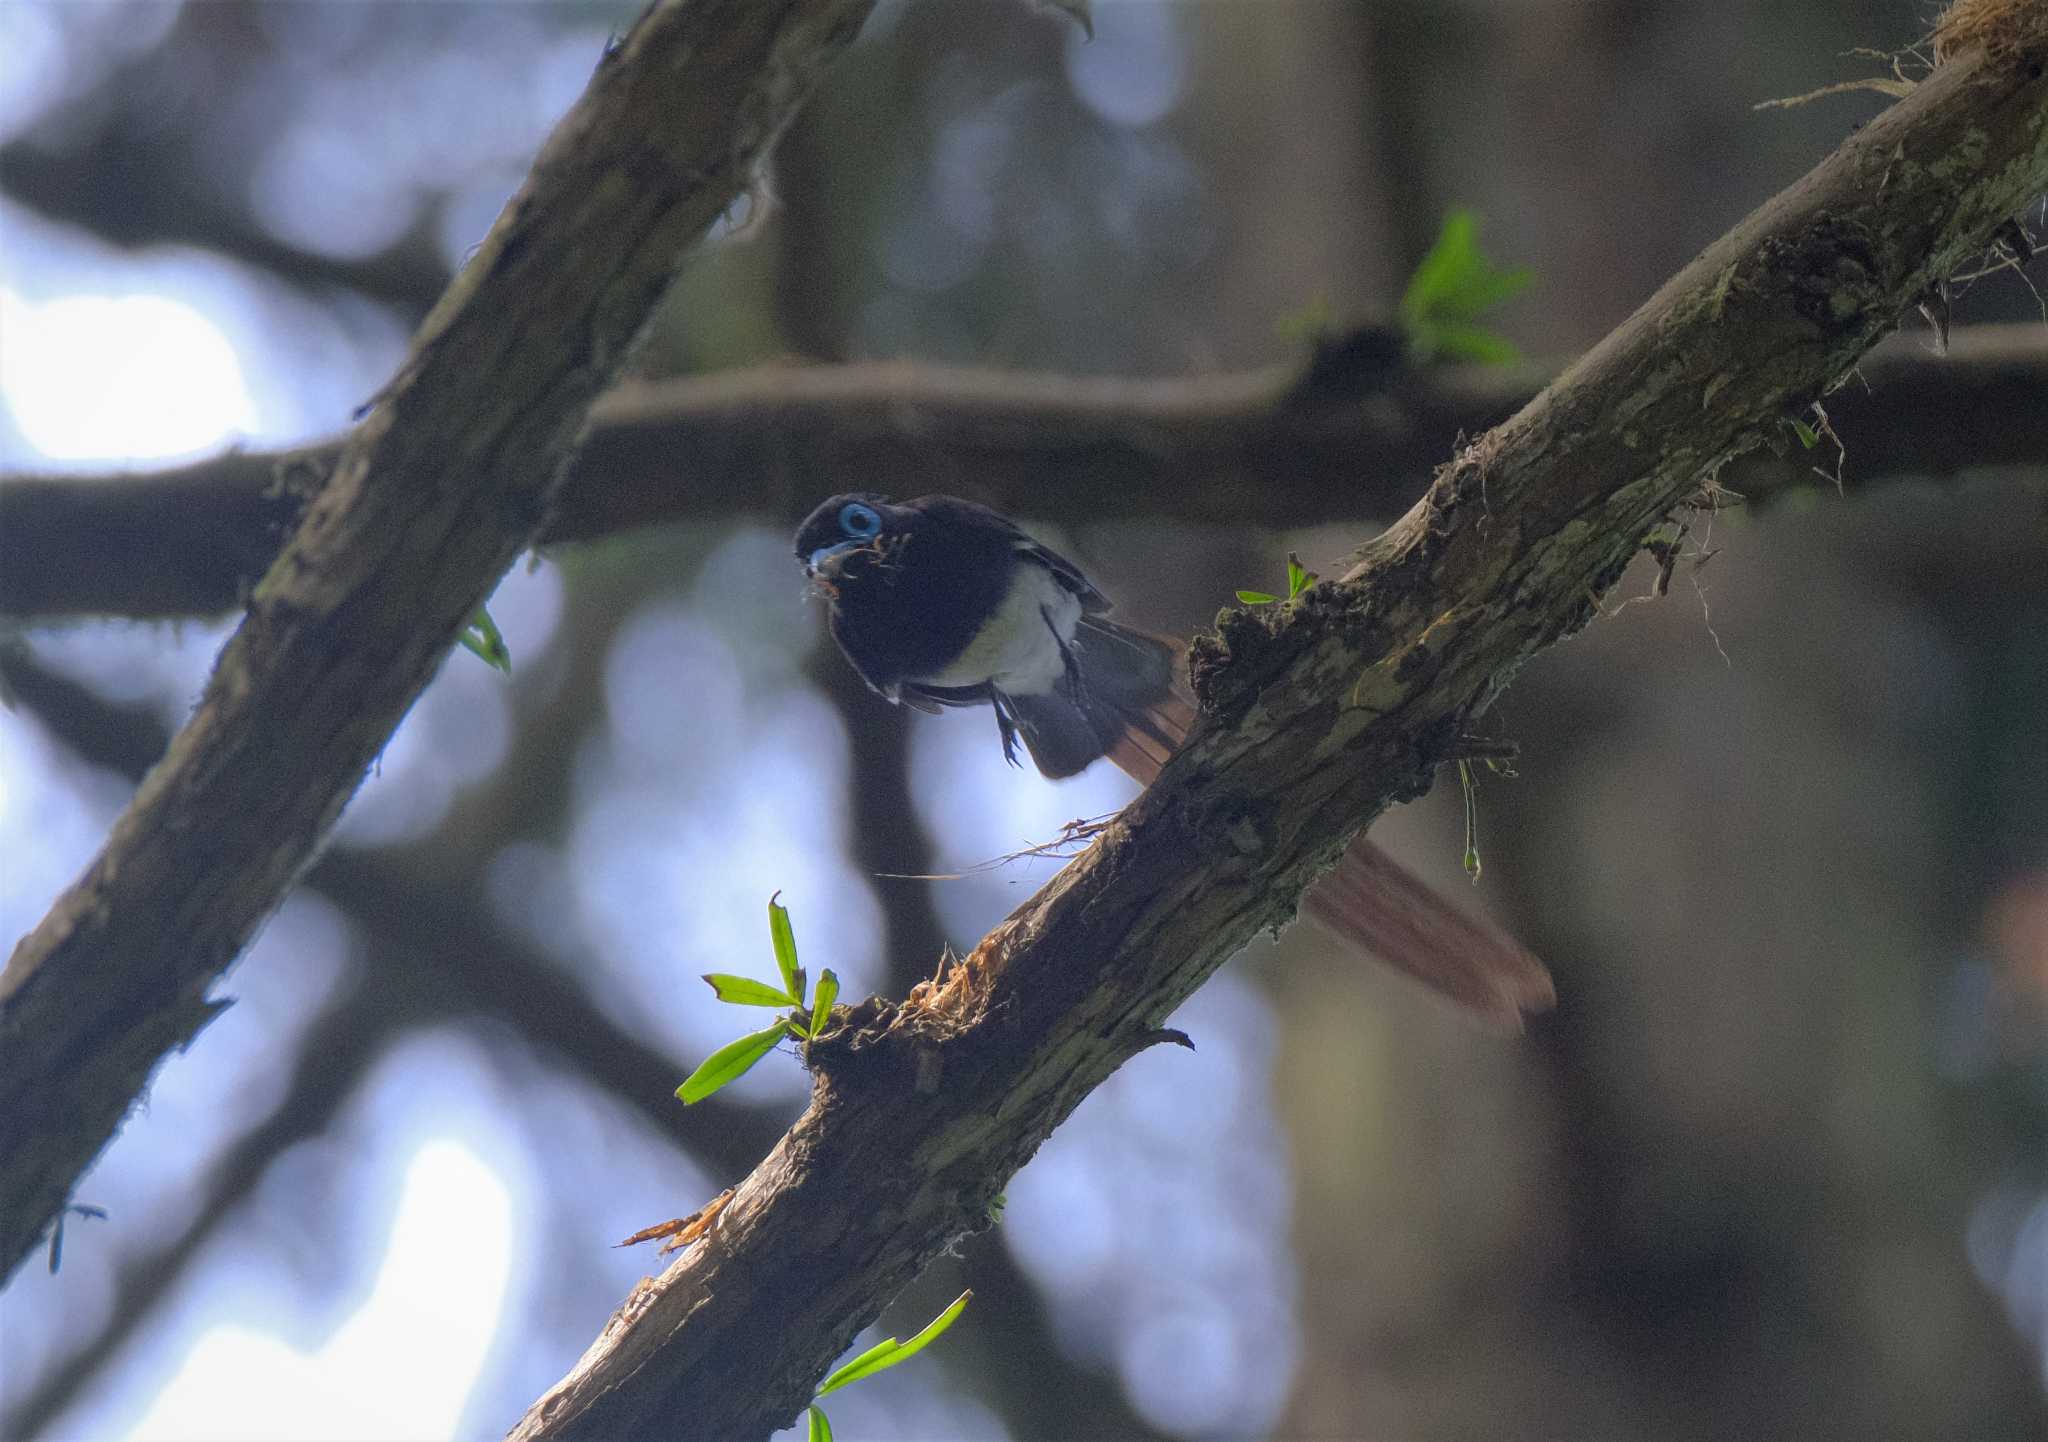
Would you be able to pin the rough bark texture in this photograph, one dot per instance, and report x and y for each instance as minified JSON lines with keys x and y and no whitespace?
{"x":440,"y":488}
{"x":769,"y":442}
{"x":1318,"y":715}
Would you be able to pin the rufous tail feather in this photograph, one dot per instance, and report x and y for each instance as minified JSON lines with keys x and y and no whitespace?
{"x":1374,"y":902}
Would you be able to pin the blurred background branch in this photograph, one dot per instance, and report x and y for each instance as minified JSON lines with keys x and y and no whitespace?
{"x":922,"y":1112}
{"x":1779,"y":1169}
{"x":437,"y":492}
{"x":1350,"y":437}
{"x":475,"y":971}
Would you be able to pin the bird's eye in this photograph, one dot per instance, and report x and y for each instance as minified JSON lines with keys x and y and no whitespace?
{"x":860,"y":521}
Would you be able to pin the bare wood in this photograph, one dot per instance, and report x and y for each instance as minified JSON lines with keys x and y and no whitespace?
{"x":439,"y":489}
{"x":1349,"y":438}
{"x":1318,"y":715}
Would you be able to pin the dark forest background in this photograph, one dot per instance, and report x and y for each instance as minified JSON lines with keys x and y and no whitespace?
{"x":1778,"y":1164}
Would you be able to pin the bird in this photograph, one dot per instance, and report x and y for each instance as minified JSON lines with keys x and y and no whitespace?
{"x":940,"y":602}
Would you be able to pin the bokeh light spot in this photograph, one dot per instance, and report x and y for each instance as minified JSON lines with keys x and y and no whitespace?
{"x":131,"y":376}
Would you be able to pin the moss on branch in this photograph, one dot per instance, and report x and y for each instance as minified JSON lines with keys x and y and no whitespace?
{"x":1320,"y":713}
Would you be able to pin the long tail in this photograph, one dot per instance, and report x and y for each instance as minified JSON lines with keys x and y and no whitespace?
{"x":1367,"y":898}
{"x":1117,"y":679}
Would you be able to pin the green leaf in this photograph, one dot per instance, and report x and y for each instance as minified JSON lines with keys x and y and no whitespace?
{"x":1808,"y":436}
{"x":1453,"y":286}
{"x":729,"y":1063}
{"x":821,"y":1430}
{"x":1483,"y":287}
{"x":1472,"y":343}
{"x":745,"y":991}
{"x":1446,"y":267}
{"x":1256,"y":598}
{"x":884,"y":1355}
{"x":821,"y":1008}
{"x":1456,"y":281}
{"x":784,"y":937}
{"x":483,"y":638}
{"x":1299,"y":577}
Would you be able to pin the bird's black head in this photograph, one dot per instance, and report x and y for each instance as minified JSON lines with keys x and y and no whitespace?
{"x":857,"y":522}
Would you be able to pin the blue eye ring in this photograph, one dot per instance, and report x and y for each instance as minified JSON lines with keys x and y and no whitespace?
{"x":860,"y":520}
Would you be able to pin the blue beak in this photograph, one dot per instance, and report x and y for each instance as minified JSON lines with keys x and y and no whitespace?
{"x":825,"y":553}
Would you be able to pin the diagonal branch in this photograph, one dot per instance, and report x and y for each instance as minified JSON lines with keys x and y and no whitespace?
{"x":1318,"y":715}
{"x":477,"y":968}
{"x":480,"y":969}
{"x":439,"y":489}
{"x":187,"y":540}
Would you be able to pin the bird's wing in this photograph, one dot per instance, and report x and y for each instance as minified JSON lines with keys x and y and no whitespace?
{"x":972,"y":513}
{"x":1065,"y":571}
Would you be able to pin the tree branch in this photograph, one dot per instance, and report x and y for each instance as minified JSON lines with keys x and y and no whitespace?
{"x":1317,"y":715}
{"x":186,"y":541}
{"x":154,"y":202}
{"x":438,"y":491}
{"x":478,"y":968}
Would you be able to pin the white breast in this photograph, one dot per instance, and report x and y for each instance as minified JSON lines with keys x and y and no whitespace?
{"x":1016,"y":648}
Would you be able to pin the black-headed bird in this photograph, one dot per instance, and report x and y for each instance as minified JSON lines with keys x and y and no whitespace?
{"x":940,"y":602}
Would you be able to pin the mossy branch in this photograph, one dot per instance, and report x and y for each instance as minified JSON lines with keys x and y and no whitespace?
{"x":1319,"y":714}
